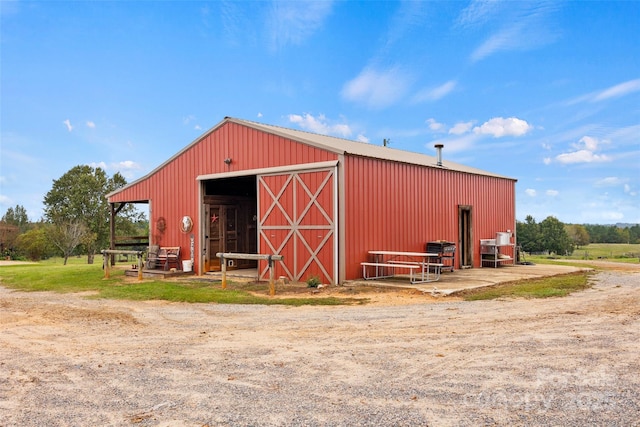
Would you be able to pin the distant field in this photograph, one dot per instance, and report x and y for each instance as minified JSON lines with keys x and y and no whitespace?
{"x":607,"y":250}
{"x":620,"y":252}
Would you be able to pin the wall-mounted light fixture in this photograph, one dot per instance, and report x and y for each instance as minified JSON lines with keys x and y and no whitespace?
{"x":228,"y":160}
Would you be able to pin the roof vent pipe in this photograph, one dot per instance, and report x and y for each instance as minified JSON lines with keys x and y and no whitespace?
{"x":439,"y":154}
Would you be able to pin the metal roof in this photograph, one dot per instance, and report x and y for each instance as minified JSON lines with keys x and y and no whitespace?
{"x":346,"y":146}
{"x":332,"y":144}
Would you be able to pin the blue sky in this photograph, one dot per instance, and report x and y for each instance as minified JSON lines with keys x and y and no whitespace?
{"x":544,"y":92}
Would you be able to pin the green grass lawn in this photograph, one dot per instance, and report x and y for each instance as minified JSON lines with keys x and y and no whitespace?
{"x":555,"y":286}
{"x":78,"y":276}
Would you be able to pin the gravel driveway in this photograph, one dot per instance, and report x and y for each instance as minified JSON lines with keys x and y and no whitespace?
{"x":70,"y":361}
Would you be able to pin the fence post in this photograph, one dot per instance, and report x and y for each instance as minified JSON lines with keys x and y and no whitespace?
{"x":223,"y":265}
{"x":272,"y":284}
{"x":140,"y":265}
{"x":106,"y":264}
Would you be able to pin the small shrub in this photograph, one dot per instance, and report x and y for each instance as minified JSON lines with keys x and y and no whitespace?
{"x":313,"y":282}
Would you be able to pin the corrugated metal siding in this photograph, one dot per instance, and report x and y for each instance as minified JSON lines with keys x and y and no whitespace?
{"x":172,"y":189}
{"x":398,"y":206}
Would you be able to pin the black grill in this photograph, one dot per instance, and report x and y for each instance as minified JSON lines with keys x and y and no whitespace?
{"x":446,"y":252}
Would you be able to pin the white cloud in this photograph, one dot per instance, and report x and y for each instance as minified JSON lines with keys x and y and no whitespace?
{"x":552,"y":193}
{"x":547,"y":160}
{"x":460,"y":128}
{"x":609,"y":181}
{"x":582,"y":156}
{"x":618,"y":90}
{"x":505,"y":39}
{"x":126,"y":167}
{"x":320,"y":125}
{"x":67,"y":123}
{"x":615,"y":91}
{"x":101,"y":165}
{"x":499,"y":126}
{"x":434,"y":94}
{"x":478,"y":12}
{"x":377,"y":89}
{"x":407,"y":17}
{"x":259,"y":115}
{"x":435,"y":125}
{"x":588,"y":143}
{"x":530,"y":192}
{"x":294,"y":22}
{"x":91,"y":124}
{"x":362,"y":138}
{"x":520,"y":25}
{"x":585,"y":152}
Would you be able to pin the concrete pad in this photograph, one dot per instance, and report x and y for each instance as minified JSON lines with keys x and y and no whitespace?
{"x":461,"y":280}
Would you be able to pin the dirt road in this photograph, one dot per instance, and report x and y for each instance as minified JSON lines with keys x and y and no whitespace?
{"x":69,"y":360}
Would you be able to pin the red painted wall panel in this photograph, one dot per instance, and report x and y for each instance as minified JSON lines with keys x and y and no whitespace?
{"x":397,"y":206}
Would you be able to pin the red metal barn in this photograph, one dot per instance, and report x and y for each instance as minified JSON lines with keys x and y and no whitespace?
{"x":321,"y":202}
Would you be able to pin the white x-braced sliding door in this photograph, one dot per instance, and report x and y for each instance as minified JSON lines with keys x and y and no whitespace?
{"x":296,"y":214}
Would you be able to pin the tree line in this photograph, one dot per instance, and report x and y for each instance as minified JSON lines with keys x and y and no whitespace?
{"x":76,"y":219}
{"x":551,"y":235}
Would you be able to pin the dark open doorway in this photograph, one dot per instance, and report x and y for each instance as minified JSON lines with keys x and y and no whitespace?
{"x":465,"y":236}
{"x":230,"y":220}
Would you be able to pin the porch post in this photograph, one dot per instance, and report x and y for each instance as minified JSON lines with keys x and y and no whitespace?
{"x":112,"y":232}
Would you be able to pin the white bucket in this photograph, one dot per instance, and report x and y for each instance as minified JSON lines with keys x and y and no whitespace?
{"x":187,"y":265}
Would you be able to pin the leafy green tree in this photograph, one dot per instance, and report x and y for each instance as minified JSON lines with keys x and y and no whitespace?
{"x":79,"y":196}
{"x":607,"y":234}
{"x":528,"y":233}
{"x":614,"y":235}
{"x":34,"y":244}
{"x":8,"y":235}
{"x":634,"y":234}
{"x":17,"y":217}
{"x":596,"y":232}
{"x":578,"y":234}
{"x":554,"y":237}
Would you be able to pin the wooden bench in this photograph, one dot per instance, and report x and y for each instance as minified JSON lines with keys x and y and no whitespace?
{"x":164,"y":258}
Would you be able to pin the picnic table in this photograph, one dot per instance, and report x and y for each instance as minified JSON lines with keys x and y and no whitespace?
{"x":419,"y":264}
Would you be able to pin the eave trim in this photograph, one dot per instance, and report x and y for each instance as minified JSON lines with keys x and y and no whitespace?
{"x":269,"y":171}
